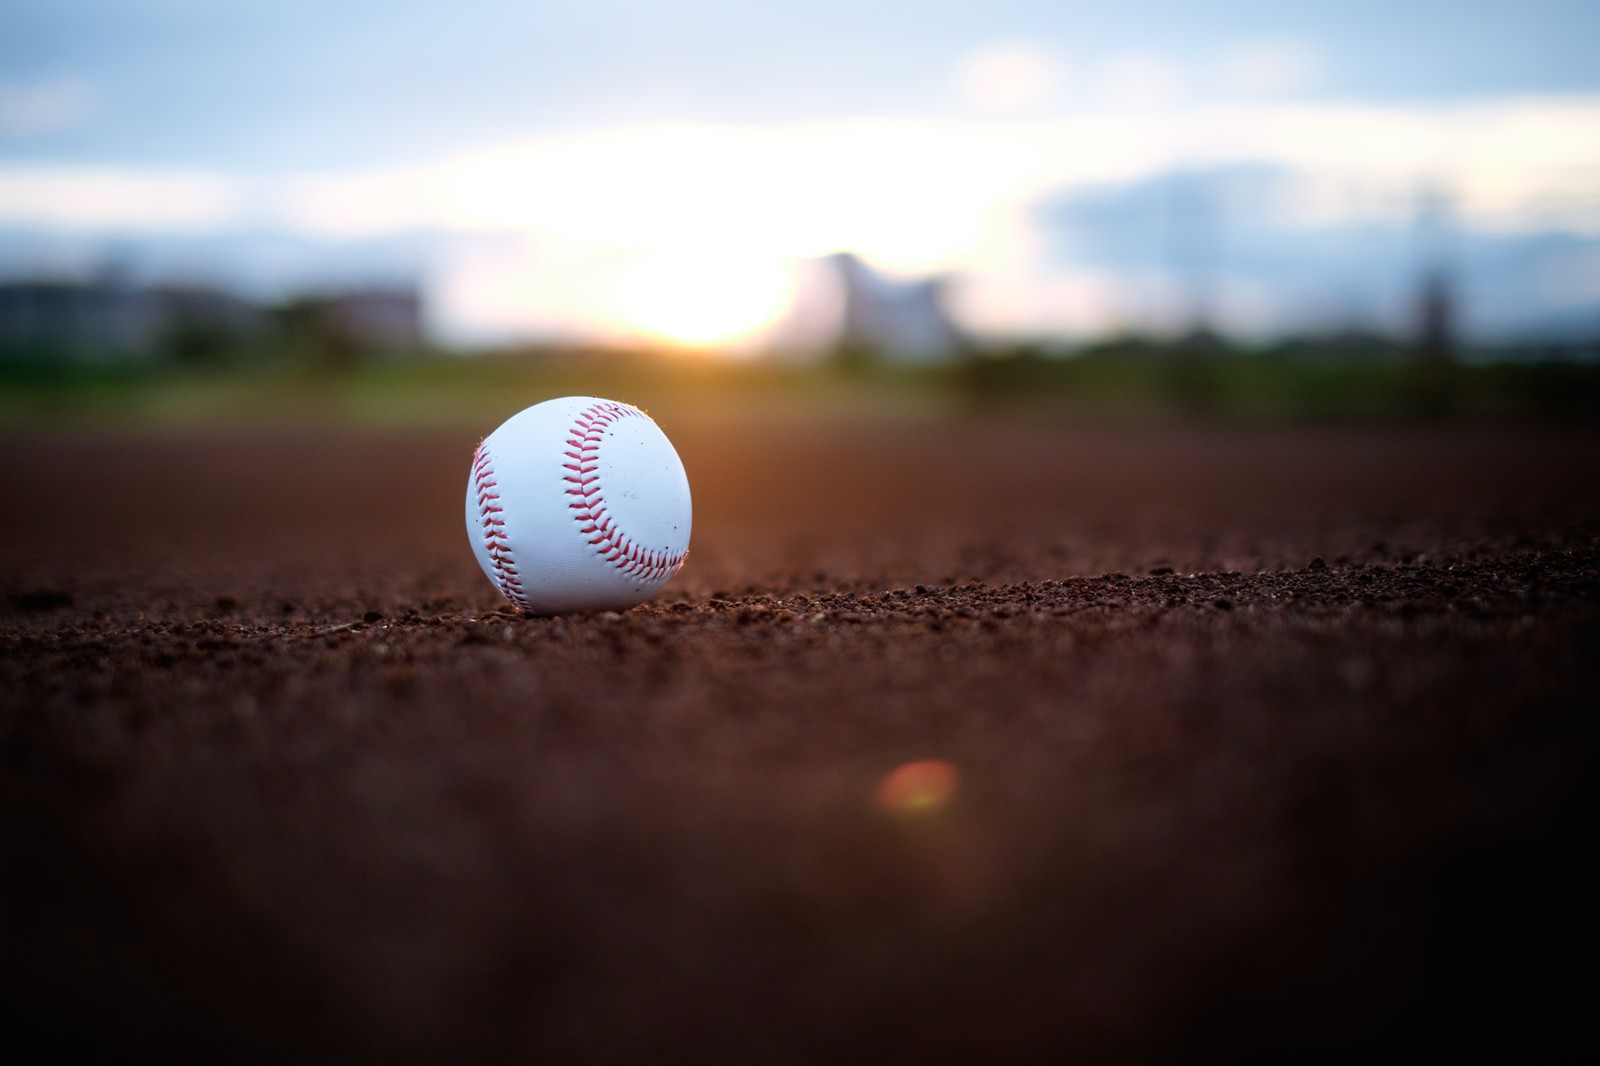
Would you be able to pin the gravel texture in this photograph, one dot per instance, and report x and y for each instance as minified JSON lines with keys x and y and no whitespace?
{"x":1244,"y":743}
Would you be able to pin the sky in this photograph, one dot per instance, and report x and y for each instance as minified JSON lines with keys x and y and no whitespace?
{"x":618,"y":168}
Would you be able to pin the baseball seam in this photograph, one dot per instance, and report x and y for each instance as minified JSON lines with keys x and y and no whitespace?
{"x":495,"y":539}
{"x":595,"y":524}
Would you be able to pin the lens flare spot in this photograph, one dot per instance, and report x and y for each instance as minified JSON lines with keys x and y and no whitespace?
{"x":918,"y":788}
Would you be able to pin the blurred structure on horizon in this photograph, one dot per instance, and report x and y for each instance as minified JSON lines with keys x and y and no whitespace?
{"x":1232,"y":170}
{"x":882,"y":318}
{"x":1436,"y":280}
{"x":108,"y":318}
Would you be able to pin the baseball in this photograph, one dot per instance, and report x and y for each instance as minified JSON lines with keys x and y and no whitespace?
{"x":578,"y":504}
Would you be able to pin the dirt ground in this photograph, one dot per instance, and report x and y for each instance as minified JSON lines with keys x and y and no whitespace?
{"x":1262,"y":743}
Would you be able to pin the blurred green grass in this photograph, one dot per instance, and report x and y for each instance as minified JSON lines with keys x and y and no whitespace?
{"x":1117,"y":382}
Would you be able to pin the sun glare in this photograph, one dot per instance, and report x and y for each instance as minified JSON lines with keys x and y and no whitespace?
{"x":704,"y":301}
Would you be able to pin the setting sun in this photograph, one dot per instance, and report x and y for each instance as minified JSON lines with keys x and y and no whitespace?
{"x":703,"y":301}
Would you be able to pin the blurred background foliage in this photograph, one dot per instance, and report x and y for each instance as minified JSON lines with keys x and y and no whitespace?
{"x":316,"y":373}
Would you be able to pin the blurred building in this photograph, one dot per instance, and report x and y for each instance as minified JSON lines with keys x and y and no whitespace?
{"x":337,"y":331}
{"x":67,"y":319}
{"x":385,"y":319}
{"x":897,"y":320}
{"x":108,"y":319}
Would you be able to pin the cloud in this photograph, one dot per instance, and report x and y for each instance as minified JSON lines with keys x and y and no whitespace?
{"x":1267,"y":68}
{"x":1009,"y":76}
{"x":1243,"y":238}
{"x":910,"y":195}
{"x":923,"y":194}
{"x":118,"y":199}
{"x":914,"y":194}
{"x":29,"y":109}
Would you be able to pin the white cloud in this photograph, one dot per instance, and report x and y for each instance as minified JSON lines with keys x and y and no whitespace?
{"x":1267,"y":68}
{"x":1010,"y":76}
{"x":550,"y":224}
{"x":913,"y":194}
{"x":33,"y":108}
{"x":118,"y":199}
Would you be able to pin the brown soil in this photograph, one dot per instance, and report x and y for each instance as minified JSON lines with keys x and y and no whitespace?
{"x":1265,"y":743}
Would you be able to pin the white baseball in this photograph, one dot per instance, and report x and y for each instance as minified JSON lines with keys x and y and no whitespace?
{"x":578,"y":504}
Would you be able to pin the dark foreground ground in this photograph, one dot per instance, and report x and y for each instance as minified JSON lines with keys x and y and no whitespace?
{"x":1266,"y":743}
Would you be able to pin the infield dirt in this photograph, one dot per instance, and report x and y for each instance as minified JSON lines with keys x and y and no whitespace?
{"x":1264,"y":743}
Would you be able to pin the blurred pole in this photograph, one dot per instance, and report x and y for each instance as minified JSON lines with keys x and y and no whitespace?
{"x":1432,"y":376}
{"x":1436,"y":298}
{"x":1194,"y":244}
{"x":1193,"y":240}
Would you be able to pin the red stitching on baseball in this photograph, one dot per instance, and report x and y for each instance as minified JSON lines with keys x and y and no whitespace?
{"x":495,"y":540}
{"x":588,"y":429}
